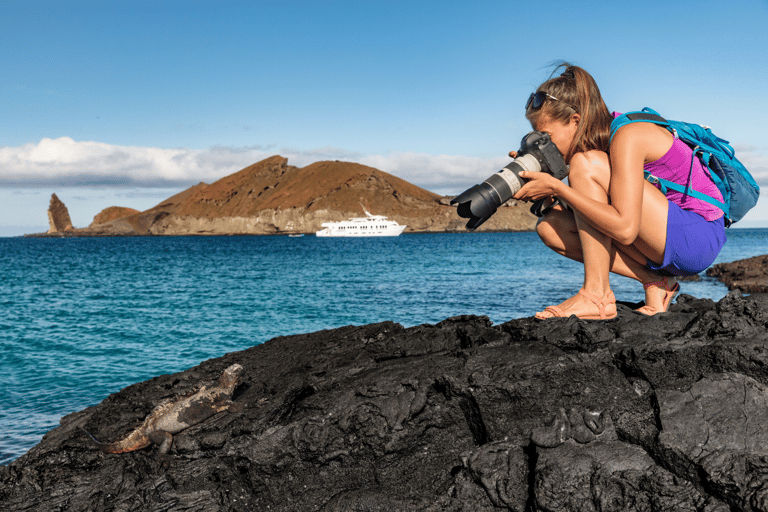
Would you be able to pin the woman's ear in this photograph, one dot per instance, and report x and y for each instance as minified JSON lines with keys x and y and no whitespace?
{"x":576,"y":118}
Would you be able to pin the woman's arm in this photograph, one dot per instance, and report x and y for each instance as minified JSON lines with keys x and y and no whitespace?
{"x":621,"y":178}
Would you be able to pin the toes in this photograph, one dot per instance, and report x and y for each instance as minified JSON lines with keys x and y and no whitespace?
{"x":550,"y":312}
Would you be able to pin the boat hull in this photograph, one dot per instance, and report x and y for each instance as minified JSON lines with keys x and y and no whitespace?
{"x":332,"y":232}
{"x":370,"y":225}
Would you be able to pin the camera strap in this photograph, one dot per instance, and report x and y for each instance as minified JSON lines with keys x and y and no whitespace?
{"x":538,"y":208}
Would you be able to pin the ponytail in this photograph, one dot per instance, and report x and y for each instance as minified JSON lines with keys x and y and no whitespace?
{"x":577,"y":93}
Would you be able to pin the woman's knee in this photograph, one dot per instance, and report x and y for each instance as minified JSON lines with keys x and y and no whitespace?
{"x":543,"y":228}
{"x":554,"y":227}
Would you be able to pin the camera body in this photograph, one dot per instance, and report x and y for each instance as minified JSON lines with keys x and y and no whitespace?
{"x":537,"y":153}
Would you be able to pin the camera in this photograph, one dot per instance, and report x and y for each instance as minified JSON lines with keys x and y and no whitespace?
{"x":537,"y":153}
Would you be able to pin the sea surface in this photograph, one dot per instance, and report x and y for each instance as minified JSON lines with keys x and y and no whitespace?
{"x":81,"y":318}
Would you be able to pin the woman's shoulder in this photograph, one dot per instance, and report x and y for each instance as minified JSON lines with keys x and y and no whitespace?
{"x":654,"y":140}
{"x":591,"y":158}
{"x":641,"y":132}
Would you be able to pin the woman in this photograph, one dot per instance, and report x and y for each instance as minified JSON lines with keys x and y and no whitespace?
{"x":615,"y":220}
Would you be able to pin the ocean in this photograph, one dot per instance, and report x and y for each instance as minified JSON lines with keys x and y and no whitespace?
{"x":81,"y":318}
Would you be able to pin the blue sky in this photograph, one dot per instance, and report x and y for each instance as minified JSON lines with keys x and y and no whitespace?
{"x":128,"y":102}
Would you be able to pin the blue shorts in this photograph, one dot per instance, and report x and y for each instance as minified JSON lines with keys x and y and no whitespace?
{"x":693,"y":243}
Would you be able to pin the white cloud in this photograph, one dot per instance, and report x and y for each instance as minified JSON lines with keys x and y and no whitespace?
{"x":442,"y":173}
{"x":756,"y":161}
{"x":64,"y":162}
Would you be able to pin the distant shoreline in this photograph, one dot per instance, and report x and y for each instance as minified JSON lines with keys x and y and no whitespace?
{"x":70,"y":234}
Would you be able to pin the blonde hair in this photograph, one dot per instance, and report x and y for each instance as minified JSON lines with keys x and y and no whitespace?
{"x":577,"y":93}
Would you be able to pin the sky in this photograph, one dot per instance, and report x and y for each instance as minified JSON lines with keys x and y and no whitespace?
{"x":125,"y":103}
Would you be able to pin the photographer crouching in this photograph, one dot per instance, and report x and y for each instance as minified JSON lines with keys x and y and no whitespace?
{"x":616,"y":220}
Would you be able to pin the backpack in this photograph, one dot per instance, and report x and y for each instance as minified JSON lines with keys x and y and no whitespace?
{"x":737,"y":186}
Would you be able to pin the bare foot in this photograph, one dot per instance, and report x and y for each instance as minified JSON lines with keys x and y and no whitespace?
{"x":584,"y":305}
{"x":658,"y":295}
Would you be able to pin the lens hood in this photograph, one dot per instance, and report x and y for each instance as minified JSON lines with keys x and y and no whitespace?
{"x":476,"y":204}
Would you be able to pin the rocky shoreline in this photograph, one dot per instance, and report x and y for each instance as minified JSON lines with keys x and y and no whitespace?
{"x":749,"y":275}
{"x":640,"y":413}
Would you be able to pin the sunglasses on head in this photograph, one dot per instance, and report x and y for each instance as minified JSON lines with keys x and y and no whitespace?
{"x":537,"y":99}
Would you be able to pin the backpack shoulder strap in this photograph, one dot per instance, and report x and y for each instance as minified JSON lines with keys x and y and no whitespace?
{"x":666,"y":184}
{"x":646,"y":115}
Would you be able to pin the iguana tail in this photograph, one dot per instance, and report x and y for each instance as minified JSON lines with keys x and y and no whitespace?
{"x":136,"y":440}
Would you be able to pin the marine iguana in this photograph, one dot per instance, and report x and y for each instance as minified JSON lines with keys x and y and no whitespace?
{"x":173,"y":415}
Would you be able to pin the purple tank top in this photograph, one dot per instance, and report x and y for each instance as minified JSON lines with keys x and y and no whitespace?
{"x":675,"y":166}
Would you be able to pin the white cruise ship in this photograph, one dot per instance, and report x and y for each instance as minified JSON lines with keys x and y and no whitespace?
{"x":370,"y":225}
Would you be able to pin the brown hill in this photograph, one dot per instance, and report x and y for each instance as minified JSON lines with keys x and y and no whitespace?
{"x":274,"y":185}
{"x":273,"y":197}
{"x":112,"y":213}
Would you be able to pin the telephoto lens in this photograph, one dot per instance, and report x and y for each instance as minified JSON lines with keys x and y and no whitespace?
{"x":537,"y":153}
{"x":481,"y":201}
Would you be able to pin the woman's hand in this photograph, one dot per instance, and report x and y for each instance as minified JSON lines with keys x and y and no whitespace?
{"x":540,"y":185}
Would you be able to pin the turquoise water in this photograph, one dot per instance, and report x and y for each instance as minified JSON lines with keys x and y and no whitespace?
{"x":81,"y":318}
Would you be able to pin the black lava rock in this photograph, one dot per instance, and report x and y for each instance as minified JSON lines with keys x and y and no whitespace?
{"x":639,"y":413}
{"x":748,"y":275}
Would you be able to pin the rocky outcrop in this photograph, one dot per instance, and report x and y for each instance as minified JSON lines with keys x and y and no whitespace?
{"x":748,"y":275}
{"x":664,"y":413}
{"x":271,"y":197}
{"x":112,"y":214}
{"x":58,"y":216}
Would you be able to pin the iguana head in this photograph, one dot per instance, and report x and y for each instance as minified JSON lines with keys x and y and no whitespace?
{"x":231,"y":377}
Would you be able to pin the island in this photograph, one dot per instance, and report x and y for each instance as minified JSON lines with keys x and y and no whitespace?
{"x":271,"y":197}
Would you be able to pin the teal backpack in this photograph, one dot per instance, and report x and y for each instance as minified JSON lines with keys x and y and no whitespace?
{"x":738,"y":187}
